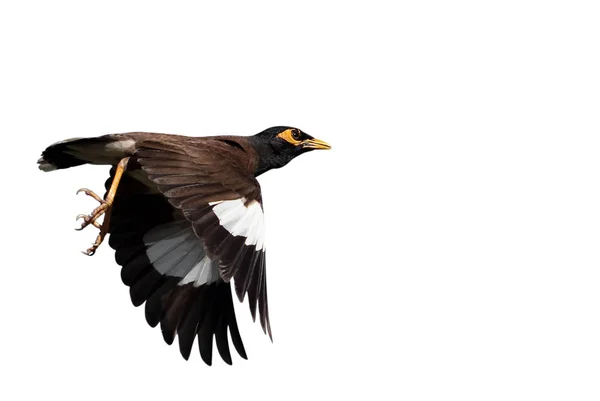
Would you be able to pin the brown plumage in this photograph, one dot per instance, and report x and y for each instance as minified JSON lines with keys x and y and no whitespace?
{"x":184,"y":216}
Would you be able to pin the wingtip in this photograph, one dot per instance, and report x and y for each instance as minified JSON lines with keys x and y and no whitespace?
{"x":207,"y":361}
{"x":168,"y":337}
{"x":266,"y":328}
{"x":151,"y":319}
{"x":185,"y":349}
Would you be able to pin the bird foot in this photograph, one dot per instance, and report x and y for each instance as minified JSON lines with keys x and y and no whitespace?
{"x":103,"y":209}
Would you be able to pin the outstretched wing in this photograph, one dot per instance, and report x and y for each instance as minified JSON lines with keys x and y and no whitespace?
{"x":216,"y":193}
{"x":184,"y":223}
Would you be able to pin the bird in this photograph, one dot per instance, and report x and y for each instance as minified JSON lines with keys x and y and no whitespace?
{"x":184,"y":216}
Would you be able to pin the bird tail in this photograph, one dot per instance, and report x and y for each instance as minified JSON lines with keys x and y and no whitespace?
{"x":74,"y":152}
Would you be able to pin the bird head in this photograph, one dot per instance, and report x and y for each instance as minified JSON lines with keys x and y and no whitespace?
{"x":277,"y":146}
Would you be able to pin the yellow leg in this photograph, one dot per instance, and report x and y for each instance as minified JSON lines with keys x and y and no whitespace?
{"x":103,"y":209}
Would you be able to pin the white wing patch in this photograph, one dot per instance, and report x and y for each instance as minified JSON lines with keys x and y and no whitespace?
{"x":242,"y":220}
{"x":205,"y":271}
{"x":174,"y":250}
{"x":120,"y":148}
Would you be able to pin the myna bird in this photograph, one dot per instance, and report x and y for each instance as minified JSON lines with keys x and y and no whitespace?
{"x":185,"y":217}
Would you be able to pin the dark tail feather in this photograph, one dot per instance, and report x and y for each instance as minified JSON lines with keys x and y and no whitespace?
{"x":78,"y":151}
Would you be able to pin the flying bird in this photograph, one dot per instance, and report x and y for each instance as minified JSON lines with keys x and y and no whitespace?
{"x":185,"y":218}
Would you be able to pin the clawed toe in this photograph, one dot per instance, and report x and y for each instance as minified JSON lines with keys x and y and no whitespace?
{"x":91,"y":193}
{"x":90,"y":251}
{"x":86,"y":221}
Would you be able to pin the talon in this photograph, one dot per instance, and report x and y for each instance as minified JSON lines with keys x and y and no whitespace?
{"x":91,"y":219}
{"x":83,"y":225}
{"x":82,"y":216}
{"x":91,"y":193}
{"x":89,"y":251}
{"x":92,"y":250}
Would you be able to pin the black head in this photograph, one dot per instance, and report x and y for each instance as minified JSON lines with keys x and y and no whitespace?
{"x":277,"y":146}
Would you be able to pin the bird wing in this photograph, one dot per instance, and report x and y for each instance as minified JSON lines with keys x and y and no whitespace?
{"x":184,"y":223}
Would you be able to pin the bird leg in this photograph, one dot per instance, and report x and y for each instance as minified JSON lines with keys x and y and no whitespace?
{"x":103,"y":209}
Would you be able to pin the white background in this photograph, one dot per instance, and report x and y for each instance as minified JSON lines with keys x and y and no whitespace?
{"x":446,"y":248}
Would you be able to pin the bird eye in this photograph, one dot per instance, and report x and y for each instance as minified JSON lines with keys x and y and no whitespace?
{"x":296,"y":134}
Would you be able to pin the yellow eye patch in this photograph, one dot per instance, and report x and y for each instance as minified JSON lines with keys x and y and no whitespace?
{"x":287,"y":136}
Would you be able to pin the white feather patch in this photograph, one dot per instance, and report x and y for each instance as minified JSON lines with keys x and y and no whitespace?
{"x":205,"y":271}
{"x":120,"y":148}
{"x":242,"y":220}
{"x":174,"y":250}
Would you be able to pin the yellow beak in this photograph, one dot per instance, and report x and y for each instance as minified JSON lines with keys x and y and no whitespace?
{"x":315,"y":144}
